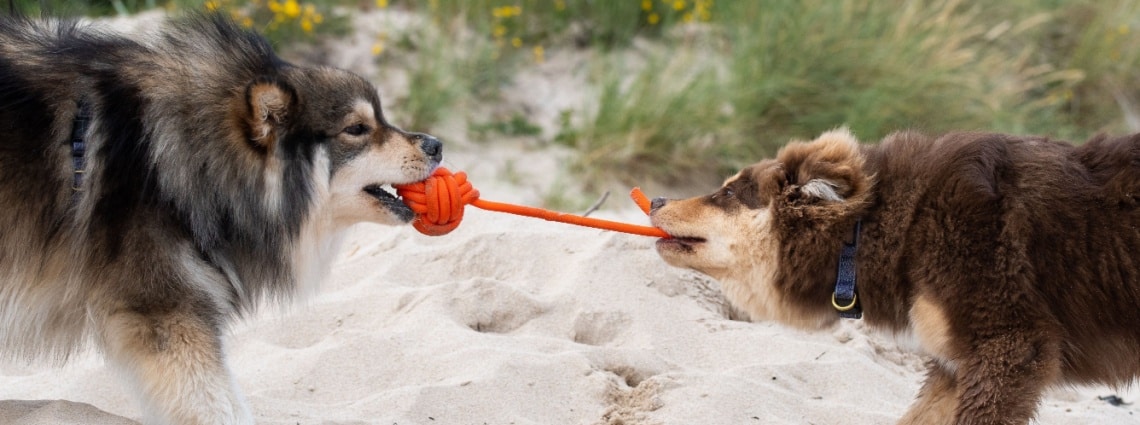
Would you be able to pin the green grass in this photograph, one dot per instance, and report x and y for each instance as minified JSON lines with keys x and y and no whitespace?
{"x":445,"y":81}
{"x":584,"y":23}
{"x":513,"y":125}
{"x":1099,"y":39}
{"x":686,"y":88}
{"x":664,"y":121}
{"x":788,"y":70}
{"x":89,"y":8}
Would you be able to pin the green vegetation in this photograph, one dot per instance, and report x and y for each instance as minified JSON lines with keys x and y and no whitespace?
{"x":684,"y":88}
{"x":89,"y":8}
{"x":444,"y":81}
{"x":282,"y":21}
{"x":720,"y":84}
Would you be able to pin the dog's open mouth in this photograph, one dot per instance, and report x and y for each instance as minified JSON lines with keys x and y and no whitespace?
{"x":680,"y":242}
{"x":391,"y":202}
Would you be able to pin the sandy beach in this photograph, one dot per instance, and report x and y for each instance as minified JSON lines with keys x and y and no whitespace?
{"x":511,"y":320}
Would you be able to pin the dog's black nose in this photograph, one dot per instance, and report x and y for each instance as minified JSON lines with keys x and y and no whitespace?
{"x":656,"y":203}
{"x":431,"y":146}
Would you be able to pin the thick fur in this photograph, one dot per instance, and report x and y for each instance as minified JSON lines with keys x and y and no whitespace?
{"x":217,"y":177}
{"x":1010,"y":260}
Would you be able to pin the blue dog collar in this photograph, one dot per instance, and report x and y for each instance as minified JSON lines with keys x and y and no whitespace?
{"x":845,"y":299}
{"x":79,"y":143}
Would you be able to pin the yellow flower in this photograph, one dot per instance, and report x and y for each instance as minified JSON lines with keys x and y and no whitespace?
{"x":211,"y":5}
{"x":559,"y":5}
{"x":274,"y":6}
{"x":679,"y":5}
{"x":306,"y":25}
{"x":646,"y":5}
{"x":539,"y":54}
{"x":318,"y":18}
{"x":687,"y":17}
{"x":291,"y":9}
{"x":506,"y":11}
{"x":517,"y":42}
{"x":653,"y":19}
{"x":701,"y":8}
{"x":499,"y":31}
{"x":377,"y":48}
{"x":247,"y":22}
{"x":383,"y":4}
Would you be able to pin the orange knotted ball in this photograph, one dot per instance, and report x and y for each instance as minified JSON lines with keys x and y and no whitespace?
{"x":438,"y":200}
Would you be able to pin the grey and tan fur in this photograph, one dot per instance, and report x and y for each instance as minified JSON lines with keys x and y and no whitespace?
{"x":216,"y":177}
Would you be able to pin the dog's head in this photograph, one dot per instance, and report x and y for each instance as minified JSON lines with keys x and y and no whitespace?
{"x":339,"y":113}
{"x":742,"y":234}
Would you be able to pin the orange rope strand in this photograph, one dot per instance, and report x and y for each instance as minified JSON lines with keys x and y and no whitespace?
{"x":439,"y":200}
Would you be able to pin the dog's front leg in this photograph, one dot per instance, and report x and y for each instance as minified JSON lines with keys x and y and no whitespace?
{"x":174,"y":360}
{"x":1003,"y":377}
{"x":937,"y":400}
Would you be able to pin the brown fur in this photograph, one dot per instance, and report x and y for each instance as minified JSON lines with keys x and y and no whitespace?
{"x":1010,"y":259}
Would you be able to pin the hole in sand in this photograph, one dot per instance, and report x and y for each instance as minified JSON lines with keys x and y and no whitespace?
{"x":628,"y":406}
{"x":630,"y":375}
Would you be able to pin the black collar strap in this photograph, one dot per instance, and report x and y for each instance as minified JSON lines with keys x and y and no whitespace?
{"x":845,"y":299}
{"x":79,"y":144}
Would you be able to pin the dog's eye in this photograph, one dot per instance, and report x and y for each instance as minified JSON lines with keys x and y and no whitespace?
{"x":356,"y":130}
{"x":723,"y":193}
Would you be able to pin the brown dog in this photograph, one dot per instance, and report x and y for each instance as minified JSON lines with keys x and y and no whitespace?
{"x":1012,"y":260}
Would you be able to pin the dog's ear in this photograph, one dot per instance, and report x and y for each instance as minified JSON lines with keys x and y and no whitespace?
{"x":826,"y":172}
{"x":268,"y":105}
{"x":823,"y":190}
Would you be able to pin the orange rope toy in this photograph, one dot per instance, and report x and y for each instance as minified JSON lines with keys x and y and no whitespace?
{"x":439,"y":200}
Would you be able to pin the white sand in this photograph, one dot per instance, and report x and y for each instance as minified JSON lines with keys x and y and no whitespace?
{"x":511,"y":320}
